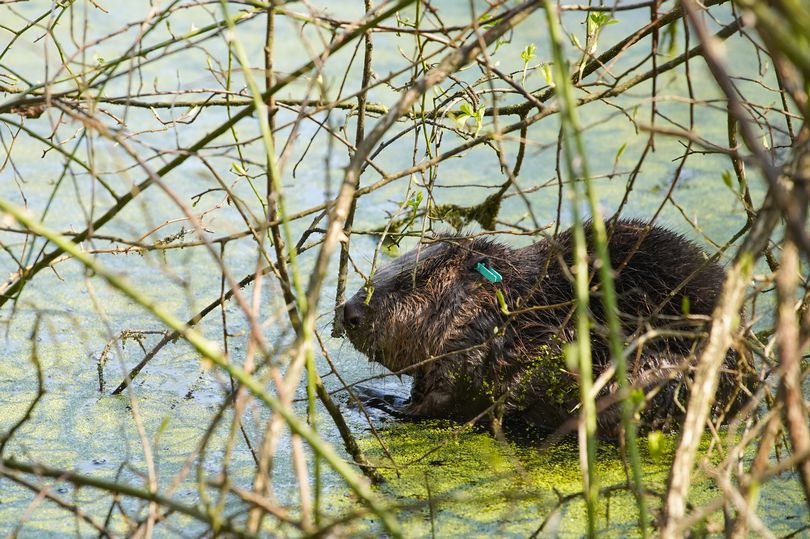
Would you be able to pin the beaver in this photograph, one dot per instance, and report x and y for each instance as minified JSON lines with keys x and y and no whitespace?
{"x":434,"y":313}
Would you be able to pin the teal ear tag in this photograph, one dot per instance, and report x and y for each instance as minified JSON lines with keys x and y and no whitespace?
{"x":489,"y":274}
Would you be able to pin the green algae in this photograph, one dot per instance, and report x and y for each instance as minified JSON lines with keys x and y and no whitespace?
{"x":450,"y":481}
{"x":465,"y":482}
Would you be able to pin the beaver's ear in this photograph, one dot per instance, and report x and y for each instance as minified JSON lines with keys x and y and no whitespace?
{"x":475,"y":260}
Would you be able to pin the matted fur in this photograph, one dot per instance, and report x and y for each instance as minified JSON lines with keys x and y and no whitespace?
{"x":431,"y":315}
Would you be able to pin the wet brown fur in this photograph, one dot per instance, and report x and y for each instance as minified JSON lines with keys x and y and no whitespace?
{"x":431,"y":315}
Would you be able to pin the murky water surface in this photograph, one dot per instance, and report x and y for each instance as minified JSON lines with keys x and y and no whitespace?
{"x":455,"y":482}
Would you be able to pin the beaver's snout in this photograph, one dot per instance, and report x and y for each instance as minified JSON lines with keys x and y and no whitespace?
{"x":354,"y":311}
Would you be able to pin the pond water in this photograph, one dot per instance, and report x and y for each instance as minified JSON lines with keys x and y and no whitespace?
{"x":470,"y":484}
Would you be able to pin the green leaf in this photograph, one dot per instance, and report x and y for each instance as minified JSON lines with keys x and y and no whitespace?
{"x":502,"y":302}
{"x":597,"y":20}
{"x":655,"y":444}
{"x":466,"y":112}
{"x":413,"y":203}
{"x":620,"y":152}
{"x":528,"y":53}
{"x":686,"y":305}
{"x":727,"y":179}
{"x":546,"y":70}
{"x":479,"y":119}
{"x":238,"y":169}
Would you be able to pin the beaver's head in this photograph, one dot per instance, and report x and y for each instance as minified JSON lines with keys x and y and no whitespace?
{"x":432,"y":301}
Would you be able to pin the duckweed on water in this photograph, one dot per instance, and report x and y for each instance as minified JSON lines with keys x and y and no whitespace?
{"x":451,"y":482}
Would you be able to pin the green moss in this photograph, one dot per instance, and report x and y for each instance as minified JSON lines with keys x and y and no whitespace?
{"x":485,"y":213}
{"x":548,"y":367}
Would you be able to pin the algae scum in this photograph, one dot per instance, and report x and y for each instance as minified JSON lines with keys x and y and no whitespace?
{"x":451,"y":481}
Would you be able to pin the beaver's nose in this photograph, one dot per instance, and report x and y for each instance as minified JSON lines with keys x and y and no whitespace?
{"x":353,"y":312}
